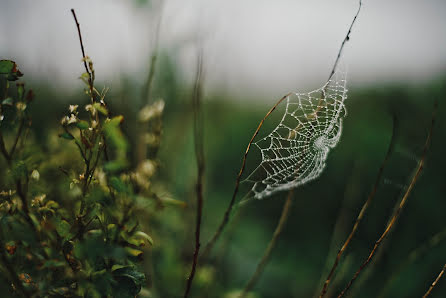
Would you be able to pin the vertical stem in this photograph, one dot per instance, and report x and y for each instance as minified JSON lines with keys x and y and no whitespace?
{"x":199,"y":152}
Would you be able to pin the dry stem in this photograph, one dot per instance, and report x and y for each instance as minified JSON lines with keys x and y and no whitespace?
{"x":199,"y":152}
{"x":267,"y":254}
{"x":363,"y":210}
{"x":435,"y":282}
{"x":400,"y":207}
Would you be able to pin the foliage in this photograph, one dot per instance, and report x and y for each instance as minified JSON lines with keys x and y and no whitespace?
{"x":68,"y":225}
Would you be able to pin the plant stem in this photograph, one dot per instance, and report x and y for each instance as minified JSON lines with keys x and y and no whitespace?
{"x":199,"y":153}
{"x":225,"y":220}
{"x":267,"y":254}
{"x":363,"y":210}
{"x":400,"y":207}
{"x":347,"y":38}
{"x":435,"y":282}
{"x":84,"y":57}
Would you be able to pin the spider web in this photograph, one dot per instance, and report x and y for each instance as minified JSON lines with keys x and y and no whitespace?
{"x":295,"y":152}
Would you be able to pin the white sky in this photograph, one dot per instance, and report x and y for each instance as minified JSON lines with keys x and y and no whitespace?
{"x":251,"y":46}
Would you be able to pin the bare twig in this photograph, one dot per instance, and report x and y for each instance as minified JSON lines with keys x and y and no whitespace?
{"x":400,"y":207}
{"x":347,"y":38}
{"x":84,"y":57}
{"x":225,"y":220}
{"x":363,"y":210}
{"x":435,"y":282}
{"x":413,"y":256}
{"x":199,"y":153}
{"x":267,"y":254}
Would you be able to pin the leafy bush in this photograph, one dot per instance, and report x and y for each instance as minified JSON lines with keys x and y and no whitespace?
{"x":68,"y":225}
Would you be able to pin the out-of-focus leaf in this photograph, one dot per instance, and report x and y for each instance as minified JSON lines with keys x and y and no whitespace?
{"x":115,"y":166}
{"x":118,"y":185}
{"x":134,"y":252}
{"x":114,"y":134}
{"x":9,"y":70}
{"x":82,"y":124}
{"x":63,"y":228}
{"x":8,"y":101}
{"x":144,"y":236}
{"x":100,"y":108}
{"x":66,"y":136}
{"x":129,"y":281}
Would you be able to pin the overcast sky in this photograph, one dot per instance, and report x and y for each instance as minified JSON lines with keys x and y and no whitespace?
{"x":251,"y":46}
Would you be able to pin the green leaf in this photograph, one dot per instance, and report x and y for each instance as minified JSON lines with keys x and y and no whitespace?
{"x":82,"y":124}
{"x":9,"y":70}
{"x":143,"y":235}
{"x":66,"y":136}
{"x":63,"y":228}
{"x":7,"y":66}
{"x":8,"y":101}
{"x":100,"y":108}
{"x":134,"y":252}
{"x":129,"y":281}
{"x":118,"y":185}
{"x":115,"y":166}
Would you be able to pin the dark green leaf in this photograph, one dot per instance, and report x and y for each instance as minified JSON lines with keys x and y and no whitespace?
{"x":66,"y":136}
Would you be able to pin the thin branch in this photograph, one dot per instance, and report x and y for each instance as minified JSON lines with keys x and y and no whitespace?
{"x":84,"y":57}
{"x":363,"y":209}
{"x":3,"y":149}
{"x":199,"y":152}
{"x":400,"y":207}
{"x":225,"y":220}
{"x":435,"y":282}
{"x":413,"y":256}
{"x":267,"y":254}
{"x":17,"y":137}
{"x":347,"y":38}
